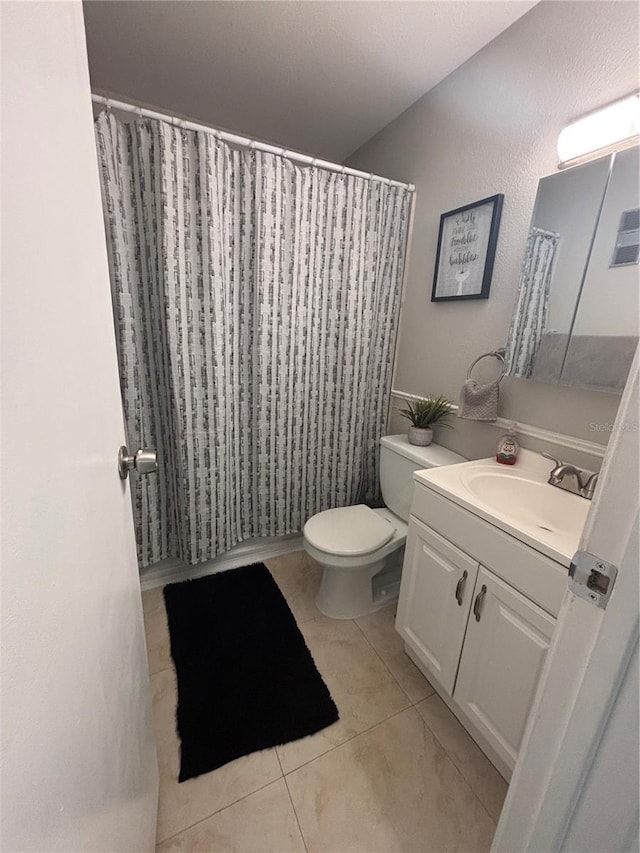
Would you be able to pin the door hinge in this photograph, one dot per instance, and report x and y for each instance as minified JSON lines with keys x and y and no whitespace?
{"x":592,"y":578}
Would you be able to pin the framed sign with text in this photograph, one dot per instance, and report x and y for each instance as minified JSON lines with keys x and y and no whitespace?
{"x":466,"y":250}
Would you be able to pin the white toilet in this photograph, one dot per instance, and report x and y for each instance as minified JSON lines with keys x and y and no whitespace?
{"x":361,"y":549}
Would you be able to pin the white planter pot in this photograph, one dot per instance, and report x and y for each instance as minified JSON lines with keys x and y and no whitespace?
{"x":419,"y":436}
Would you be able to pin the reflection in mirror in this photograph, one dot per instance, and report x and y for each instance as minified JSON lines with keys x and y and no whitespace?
{"x":565,"y":328}
{"x":605,"y":330}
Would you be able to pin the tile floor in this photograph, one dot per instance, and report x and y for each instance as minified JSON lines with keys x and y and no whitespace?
{"x":396,"y":773}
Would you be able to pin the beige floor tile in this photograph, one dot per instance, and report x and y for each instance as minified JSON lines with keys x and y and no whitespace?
{"x":263,"y":822}
{"x":156,"y":630}
{"x":476,"y":768}
{"x":181,"y":805}
{"x":392,"y":788}
{"x":299,"y":580}
{"x":360,"y":684}
{"x":379,"y":629}
{"x":152,"y":599}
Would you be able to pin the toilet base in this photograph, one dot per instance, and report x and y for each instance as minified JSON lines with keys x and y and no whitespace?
{"x":349,"y":593}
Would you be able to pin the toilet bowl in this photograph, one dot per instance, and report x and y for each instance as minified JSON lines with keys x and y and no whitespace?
{"x":361,"y":549}
{"x":353,"y":545}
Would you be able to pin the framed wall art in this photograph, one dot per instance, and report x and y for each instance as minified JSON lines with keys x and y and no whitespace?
{"x":466,"y":250}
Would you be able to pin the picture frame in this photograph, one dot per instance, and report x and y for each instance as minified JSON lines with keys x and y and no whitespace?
{"x":466,"y":251}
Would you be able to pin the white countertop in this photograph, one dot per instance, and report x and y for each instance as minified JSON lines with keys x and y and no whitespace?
{"x":517,"y":499}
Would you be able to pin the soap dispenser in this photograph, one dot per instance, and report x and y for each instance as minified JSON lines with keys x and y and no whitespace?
{"x":508,"y":446}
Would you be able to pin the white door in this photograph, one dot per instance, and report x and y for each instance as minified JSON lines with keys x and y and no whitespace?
{"x":435,"y":598}
{"x":575,"y":784}
{"x":504,"y":649}
{"x":79,"y":768}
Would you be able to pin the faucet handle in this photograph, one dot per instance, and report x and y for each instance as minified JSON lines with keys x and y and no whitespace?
{"x":558,"y":462}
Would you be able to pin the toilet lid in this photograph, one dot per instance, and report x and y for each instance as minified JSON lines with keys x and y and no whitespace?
{"x":349,"y":530}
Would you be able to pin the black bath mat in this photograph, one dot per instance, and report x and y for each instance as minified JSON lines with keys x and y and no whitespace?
{"x":246,"y":679}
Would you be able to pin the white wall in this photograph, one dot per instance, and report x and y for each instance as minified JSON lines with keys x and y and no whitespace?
{"x":490,"y":127}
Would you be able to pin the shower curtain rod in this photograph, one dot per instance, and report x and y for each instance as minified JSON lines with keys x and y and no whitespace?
{"x":244,"y":141}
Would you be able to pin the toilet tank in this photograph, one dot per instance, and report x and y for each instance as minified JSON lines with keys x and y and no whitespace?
{"x":398,"y":461}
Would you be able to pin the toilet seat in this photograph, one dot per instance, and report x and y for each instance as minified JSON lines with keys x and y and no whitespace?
{"x":348,"y":531}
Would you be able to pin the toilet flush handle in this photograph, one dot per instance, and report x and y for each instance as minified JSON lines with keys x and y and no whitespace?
{"x":145,"y":461}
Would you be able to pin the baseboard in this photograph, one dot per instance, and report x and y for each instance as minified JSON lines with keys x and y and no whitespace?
{"x":251,"y":551}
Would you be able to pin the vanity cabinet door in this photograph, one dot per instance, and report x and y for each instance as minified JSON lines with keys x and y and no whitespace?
{"x":505,"y":647}
{"x":435,"y":598}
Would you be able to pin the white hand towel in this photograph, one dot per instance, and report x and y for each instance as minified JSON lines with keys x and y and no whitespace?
{"x":479,"y":402}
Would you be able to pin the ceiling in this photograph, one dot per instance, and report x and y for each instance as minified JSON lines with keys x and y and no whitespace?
{"x":319,"y":77}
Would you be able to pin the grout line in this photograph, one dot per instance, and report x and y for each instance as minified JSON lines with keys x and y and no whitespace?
{"x":293,"y":806}
{"x":217,"y":811}
{"x":450,"y":755}
{"x":424,"y":698}
{"x":316,"y":758}
{"x":158,"y":671}
{"x":379,"y":722}
{"x":275,"y":749}
{"x":413,"y":702}
{"x":381,"y":659}
{"x":349,"y":739}
{"x":300,"y":622}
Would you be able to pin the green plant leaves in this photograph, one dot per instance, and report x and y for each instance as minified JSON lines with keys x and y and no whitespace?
{"x":427,"y":412}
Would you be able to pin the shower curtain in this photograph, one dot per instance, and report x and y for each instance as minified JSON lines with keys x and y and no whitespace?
{"x":256,"y":305}
{"x":529,"y":320}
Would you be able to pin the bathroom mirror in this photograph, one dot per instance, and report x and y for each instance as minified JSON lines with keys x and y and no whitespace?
{"x":576,"y":316}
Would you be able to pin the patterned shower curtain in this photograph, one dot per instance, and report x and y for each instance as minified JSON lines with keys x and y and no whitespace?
{"x":529,"y":320}
{"x":256,"y":305}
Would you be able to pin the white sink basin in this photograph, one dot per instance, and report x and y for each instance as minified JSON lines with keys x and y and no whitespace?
{"x":517,"y":499}
{"x":545,"y":506}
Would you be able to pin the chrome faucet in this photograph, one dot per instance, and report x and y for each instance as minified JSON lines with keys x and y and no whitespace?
{"x":572,"y":479}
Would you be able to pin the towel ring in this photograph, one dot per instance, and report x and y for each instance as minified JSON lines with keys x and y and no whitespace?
{"x":499,"y":354}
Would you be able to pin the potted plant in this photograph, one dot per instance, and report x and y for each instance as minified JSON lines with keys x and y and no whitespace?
{"x":424,"y":414}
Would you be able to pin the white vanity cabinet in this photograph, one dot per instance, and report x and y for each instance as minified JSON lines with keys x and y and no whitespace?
{"x":435,"y":598}
{"x":477,"y":616}
{"x":504,"y":649}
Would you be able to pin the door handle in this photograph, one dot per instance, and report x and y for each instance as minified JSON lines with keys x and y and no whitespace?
{"x":477,"y":604}
{"x":460,"y":588}
{"x":145,"y":461}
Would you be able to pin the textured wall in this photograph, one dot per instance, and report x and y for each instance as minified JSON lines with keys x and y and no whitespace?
{"x":490,"y":127}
